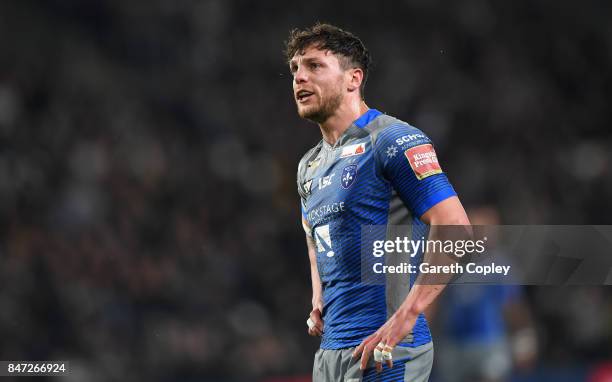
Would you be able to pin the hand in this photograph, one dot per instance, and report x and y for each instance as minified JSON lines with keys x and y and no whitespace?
{"x":392,"y":332}
{"x":316,"y":329}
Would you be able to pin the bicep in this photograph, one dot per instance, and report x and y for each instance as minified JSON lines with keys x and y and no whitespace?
{"x":450,"y":211}
{"x":410,"y":164}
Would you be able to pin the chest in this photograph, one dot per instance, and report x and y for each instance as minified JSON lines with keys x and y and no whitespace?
{"x":337,"y":179}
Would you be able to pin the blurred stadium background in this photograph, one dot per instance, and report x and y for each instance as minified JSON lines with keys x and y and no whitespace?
{"x":150,"y":222}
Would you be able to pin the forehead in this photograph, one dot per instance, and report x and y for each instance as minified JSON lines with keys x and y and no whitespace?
{"x":312,"y":52}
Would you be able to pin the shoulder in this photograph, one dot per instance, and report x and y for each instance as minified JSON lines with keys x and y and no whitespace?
{"x":387,"y":130}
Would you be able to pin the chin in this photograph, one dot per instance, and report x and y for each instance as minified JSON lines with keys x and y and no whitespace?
{"x":308,"y":112}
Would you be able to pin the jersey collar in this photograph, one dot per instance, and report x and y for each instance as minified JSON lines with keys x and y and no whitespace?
{"x":366,"y":118}
{"x":355,"y":130}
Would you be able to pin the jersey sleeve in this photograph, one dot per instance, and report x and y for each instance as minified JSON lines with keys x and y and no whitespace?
{"x":302,"y":193}
{"x":305,"y":223}
{"x":407,"y":159}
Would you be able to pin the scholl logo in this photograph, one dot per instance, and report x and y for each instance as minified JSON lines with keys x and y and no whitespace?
{"x":348,"y":176}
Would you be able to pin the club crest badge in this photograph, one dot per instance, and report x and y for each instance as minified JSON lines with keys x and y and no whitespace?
{"x":349,"y":174}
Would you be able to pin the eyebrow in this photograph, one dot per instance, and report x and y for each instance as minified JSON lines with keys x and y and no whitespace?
{"x":305,"y":60}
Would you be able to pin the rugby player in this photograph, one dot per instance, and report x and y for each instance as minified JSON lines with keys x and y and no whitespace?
{"x":369,"y":169}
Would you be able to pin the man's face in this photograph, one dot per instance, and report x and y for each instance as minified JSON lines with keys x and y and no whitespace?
{"x":318,"y":83}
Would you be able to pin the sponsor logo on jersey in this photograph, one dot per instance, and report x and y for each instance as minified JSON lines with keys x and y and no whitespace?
{"x":408,"y":138}
{"x":325,"y":181}
{"x":314,"y":163}
{"x":391,"y":151}
{"x":324,"y":213}
{"x":356,"y":149}
{"x":349,"y":174}
{"x":323,"y":240}
{"x":307,"y":186}
{"x":423,"y":161}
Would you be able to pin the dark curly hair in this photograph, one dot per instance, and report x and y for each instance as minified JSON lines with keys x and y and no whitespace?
{"x":348,"y":47}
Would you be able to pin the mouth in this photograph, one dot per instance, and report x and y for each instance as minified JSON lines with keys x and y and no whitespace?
{"x":303,"y":95}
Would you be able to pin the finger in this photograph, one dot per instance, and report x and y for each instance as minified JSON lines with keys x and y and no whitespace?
{"x":310,"y":323}
{"x":359,"y":349}
{"x":365,"y":356}
{"x":387,"y":355}
{"x":314,"y":323}
{"x":378,"y":351}
{"x":378,"y":356}
{"x":365,"y":349}
{"x":315,"y":314}
{"x":392,"y":342}
{"x":315,"y":319}
{"x":314,"y":331}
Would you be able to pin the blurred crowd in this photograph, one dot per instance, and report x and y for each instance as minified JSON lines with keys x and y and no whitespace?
{"x":150,"y":220}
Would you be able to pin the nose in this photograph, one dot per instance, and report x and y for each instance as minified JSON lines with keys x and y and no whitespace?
{"x":300,"y":75}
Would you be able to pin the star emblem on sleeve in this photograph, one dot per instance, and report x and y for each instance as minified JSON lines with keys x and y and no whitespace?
{"x":391,"y":151}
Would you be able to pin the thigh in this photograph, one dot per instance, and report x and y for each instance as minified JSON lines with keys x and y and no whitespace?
{"x":409,"y":365}
{"x":334,"y":366}
{"x":318,"y":366}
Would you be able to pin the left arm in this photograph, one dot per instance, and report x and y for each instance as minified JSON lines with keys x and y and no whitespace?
{"x":421,"y":295}
{"x":407,"y":159}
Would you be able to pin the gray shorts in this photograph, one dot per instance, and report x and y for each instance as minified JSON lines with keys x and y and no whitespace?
{"x":409,"y":365}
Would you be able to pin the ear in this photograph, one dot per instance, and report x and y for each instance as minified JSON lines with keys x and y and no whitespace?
{"x":355,"y":76}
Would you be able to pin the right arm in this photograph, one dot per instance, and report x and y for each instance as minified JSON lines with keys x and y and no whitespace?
{"x":317,"y":290}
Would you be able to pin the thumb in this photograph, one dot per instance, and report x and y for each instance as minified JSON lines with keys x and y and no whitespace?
{"x":316,"y":313}
{"x":316,"y":317}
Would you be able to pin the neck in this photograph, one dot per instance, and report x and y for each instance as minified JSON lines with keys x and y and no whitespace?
{"x":333,"y":128}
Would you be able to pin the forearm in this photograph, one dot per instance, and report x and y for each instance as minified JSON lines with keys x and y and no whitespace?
{"x":317,"y":294}
{"x":428,"y":286}
{"x":317,"y":289}
{"x":419,"y":299}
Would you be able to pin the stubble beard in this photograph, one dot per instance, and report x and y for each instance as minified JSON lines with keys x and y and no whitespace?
{"x":326,"y":109}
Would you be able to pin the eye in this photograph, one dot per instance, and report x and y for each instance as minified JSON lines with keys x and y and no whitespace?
{"x":315,"y":65}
